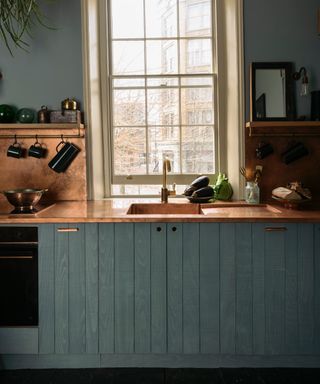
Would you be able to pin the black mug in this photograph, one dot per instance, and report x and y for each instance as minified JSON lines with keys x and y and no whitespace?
{"x":295,"y":152}
{"x":263,"y":150}
{"x":36,"y":150}
{"x":15,"y":150}
{"x":61,"y":161}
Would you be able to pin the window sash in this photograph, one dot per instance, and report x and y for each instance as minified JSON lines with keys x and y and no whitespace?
{"x":179,"y":178}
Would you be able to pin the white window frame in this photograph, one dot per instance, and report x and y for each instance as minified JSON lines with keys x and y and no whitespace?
{"x":229,"y":122}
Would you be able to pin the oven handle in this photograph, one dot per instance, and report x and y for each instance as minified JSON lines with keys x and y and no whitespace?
{"x":15,"y":257}
{"x":18,"y":243}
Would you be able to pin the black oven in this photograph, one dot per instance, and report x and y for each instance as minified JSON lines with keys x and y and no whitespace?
{"x":18,"y":276}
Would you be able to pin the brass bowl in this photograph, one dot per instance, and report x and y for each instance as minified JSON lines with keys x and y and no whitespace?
{"x":24,"y":200}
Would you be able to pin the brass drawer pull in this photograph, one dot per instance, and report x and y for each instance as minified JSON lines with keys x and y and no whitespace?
{"x":67,"y":229}
{"x":275,"y":229}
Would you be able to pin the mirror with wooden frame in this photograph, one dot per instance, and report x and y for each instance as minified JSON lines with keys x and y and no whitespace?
{"x":271,"y":91}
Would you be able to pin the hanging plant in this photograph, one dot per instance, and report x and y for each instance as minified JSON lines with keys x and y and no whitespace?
{"x":17,"y":19}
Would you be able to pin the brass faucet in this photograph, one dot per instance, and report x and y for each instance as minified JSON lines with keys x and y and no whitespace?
{"x":165,"y":192}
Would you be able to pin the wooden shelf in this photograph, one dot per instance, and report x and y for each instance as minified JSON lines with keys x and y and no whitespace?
{"x":42,"y":126}
{"x":283,"y":128}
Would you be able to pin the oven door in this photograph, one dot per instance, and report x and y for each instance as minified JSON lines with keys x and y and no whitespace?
{"x":18,"y":282}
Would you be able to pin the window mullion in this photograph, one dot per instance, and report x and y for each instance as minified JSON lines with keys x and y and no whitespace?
{"x":179,"y":84}
{"x":145,"y":87}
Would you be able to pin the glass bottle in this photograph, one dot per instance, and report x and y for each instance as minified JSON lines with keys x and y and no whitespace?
{"x":252,"y":193}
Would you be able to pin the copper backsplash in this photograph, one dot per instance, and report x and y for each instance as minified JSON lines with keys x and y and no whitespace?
{"x":275,"y":172}
{"x":30,"y":172}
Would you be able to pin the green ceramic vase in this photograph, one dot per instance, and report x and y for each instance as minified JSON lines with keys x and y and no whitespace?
{"x":6,"y":114}
{"x":25,"y":115}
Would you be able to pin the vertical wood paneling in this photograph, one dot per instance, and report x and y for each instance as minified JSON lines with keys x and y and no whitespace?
{"x":291,"y":293}
{"x":46,"y":288}
{"x":209,"y":288}
{"x":243,"y":289}
{"x":124,"y":288}
{"x":92,"y":292}
{"x":275,"y":291}
{"x":191,"y":319}
{"x":305,"y":288}
{"x":317,"y":289}
{"x":106,"y":289}
{"x":174,"y":273}
{"x":77,"y":291}
{"x":61,"y":291}
{"x":258,"y":315}
{"x":158,"y":288}
{"x":142,"y":288}
{"x":227,"y":288}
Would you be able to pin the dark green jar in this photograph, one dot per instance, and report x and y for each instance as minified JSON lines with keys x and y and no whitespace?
{"x":25,"y":115}
{"x":6,"y":114}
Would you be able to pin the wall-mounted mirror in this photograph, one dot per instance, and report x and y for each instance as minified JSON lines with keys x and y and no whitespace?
{"x":271,"y":91}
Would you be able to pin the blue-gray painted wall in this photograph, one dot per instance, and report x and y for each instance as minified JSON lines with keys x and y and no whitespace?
{"x":283,"y":30}
{"x":274,"y":30}
{"x":52,"y":69}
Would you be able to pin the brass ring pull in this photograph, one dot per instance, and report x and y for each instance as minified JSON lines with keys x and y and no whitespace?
{"x":67,"y":229}
{"x":275,"y":229}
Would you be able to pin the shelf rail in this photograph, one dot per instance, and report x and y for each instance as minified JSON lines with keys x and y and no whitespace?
{"x":80,"y":133}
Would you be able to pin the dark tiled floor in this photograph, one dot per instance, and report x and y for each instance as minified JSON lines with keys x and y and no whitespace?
{"x":161,"y":376}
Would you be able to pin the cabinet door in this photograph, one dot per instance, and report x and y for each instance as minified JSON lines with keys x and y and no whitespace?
{"x":68,"y":290}
{"x":193,"y":288}
{"x":283,"y":289}
{"x":132,"y":288}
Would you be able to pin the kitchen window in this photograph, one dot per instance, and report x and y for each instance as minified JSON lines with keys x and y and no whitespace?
{"x":153,"y":85}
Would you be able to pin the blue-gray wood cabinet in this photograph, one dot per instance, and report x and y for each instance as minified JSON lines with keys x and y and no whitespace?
{"x":190,"y":288}
{"x":180,"y":288}
{"x":68,"y":288}
{"x":159,"y":288}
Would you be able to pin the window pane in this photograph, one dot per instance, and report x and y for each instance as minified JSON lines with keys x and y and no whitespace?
{"x":196,"y":56}
{"x":162,"y":57}
{"x":161,"y":18}
{"x":185,"y":81}
{"x":197,"y":18}
{"x":163,"y":107}
{"x":127,"y":18}
{"x":129,"y":151}
{"x":128,"y":57}
{"x":196,"y":106}
{"x":197,"y":150}
{"x":164,"y":142}
{"x":129,"y":107}
{"x":126,"y":83}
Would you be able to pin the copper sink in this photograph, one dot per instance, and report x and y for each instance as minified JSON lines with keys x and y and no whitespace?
{"x":164,"y":209}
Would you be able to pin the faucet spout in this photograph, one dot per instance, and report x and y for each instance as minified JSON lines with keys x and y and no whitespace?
{"x":166,"y":167}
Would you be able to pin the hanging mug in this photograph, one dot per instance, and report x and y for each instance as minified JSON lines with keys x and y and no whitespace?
{"x":66,"y":152}
{"x":295,"y":151}
{"x":15,"y":150}
{"x":37,"y":150}
{"x":263,"y":150}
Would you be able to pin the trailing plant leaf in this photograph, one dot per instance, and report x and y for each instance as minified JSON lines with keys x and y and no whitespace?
{"x":17,"y":19}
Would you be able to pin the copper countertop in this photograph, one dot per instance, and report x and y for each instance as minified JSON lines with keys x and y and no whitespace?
{"x":115,"y":210}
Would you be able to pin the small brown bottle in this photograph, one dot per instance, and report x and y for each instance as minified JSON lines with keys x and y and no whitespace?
{"x":43,"y":115}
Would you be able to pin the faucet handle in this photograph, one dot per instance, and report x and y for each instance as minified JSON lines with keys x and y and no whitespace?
{"x":173,"y":191}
